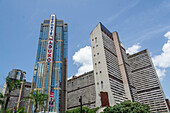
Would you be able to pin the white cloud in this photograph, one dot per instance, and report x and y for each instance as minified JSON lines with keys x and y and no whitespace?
{"x":167,"y":35}
{"x":134,"y":49}
{"x":83,"y":59}
{"x":163,"y":60}
{"x":160,"y":73}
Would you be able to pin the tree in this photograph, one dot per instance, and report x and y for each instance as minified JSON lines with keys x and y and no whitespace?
{"x":1,"y":100}
{"x":19,"y":110}
{"x":128,"y":107}
{"x":84,"y":110}
{"x":38,"y":99}
{"x":12,"y":84}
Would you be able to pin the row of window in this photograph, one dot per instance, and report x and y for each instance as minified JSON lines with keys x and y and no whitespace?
{"x":95,"y":39}
{"x":99,"y":72}
{"x":101,"y":84}
{"x":97,"y":54}
{"x":94,"y":46}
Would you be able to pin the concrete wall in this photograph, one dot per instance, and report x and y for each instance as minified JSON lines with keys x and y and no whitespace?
{"x":14,"y":96}
{"x":82,"y":85}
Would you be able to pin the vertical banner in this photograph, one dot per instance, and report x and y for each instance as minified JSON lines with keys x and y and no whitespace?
{"x":51,"y":100}
{"x":50,"y":49}
{"x":50,"y":39}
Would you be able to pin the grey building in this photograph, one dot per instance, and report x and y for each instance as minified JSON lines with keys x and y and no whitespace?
{"x":84,"y":86}
{"x":146,"y":81}
{"x":116,"y":76}
{"x":17,"y":96}
{"x":112,"y":75}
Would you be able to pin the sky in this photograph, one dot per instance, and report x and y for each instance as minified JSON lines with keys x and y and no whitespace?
{"x":140,"y":24}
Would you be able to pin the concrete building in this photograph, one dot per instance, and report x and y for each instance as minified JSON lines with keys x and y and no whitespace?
{"x":17,"y":96}
{"x":112,"y":75}
{"x":84,"y":86}
{"x":50,"y":69}
{"x":146,"y":81}
{"x":168,"y":103}
{"x":117,"y":76}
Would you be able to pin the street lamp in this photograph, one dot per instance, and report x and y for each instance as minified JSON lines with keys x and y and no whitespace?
{"x":80,"y":100}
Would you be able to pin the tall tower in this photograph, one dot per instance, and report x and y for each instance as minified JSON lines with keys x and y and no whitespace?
{"x":110,"y":68}
{"x":50,"y":69}
{"x":147,"y":83}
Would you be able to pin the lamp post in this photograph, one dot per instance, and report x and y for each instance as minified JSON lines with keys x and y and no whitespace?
{"x":80,"y":100}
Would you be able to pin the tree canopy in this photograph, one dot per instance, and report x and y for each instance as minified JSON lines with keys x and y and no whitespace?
{"x":38,"y":99}
{"x":128,"y":107}
{"x":12,"y":84}
{"x":84,"y":110}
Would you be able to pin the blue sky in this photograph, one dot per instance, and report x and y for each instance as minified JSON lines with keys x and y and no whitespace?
{"x":140,"y":24}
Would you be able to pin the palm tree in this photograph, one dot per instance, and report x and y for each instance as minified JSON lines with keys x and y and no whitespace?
{"x":19,"y":110}
{"x":1,"y":101}
{"x":38,"y":99}
{"x":12,"y":84}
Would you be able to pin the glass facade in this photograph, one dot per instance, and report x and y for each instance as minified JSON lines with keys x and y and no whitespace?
{"x":48,"y":73}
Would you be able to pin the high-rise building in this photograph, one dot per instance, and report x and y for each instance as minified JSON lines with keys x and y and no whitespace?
{"x":17,"y":96}
{"x":111,"y":69}
{"x":146,"y":81}
{"x":50,"y":70}
{"x":117,"y":76}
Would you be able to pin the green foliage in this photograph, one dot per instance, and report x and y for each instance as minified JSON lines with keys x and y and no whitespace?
{"x":128,"y":107}
{"x":1,"y":100}
{"x":12,"y":84}
{"x":37,"y":99}
{"x":7,"y":110}
{"x":19,"y":110}
{"x":84,"y":109}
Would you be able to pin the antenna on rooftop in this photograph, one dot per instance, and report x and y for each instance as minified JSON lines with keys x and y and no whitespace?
{"x":13,"y":66}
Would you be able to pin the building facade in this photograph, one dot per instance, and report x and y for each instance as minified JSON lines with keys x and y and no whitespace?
{"x":117,"y":76}
{"x":111,"y":69}
{"x":50,"y":70}
{"x":17,"y":96}
{"x":168,"y":103}
{"x":146,"y":81}
{"x":83,"y":85}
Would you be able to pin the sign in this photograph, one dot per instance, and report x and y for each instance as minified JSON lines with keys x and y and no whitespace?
{"x":52,"y":25}
{"x":51,"y":99}
{"x":50,"y":49}
{"x":52,"y":94}
{"x":50,"y":39}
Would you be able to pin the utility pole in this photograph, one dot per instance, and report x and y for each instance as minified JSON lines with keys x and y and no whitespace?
{"x":80,"y":100}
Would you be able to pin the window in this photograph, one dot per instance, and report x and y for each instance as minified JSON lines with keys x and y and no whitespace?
{"x":100,"y":71}
{"x":97,"y":53}
{"x":96,"y":45}
{"x":93,"y":46}
{"x":95,"y":63}
{"x":102,"y":84}
{"x":95,"y":39}
{"x":94,"y":55}
{"x":99,"y":62}
{"x":92,"y":39}
{"x":96,"y":73}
